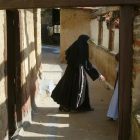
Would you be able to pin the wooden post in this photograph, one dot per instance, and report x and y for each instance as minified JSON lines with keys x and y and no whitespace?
{"x":100,"y":35}
{"x":125,"y":71}
{"x":111,"y":34}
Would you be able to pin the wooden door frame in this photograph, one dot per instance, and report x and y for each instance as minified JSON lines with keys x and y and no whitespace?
{"x":125,"y":70}
{"x":18,"y":56}
{"x":126,"y":42}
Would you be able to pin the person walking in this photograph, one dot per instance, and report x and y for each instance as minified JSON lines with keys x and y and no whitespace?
{"x":72,"y":92}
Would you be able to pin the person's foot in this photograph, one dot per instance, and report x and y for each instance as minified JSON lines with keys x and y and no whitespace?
{"x":89,"y":109}
{"x":64,"y":109}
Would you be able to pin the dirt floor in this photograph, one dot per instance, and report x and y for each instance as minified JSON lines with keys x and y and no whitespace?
{"x":48,"y":123}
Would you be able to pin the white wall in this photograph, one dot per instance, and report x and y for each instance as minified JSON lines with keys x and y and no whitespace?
{"x":105,"y":35}
{"x":116,"y":40}
{"x":94,"y":25}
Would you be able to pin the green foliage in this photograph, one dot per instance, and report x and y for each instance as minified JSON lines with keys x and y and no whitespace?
{"x":45,"y":11}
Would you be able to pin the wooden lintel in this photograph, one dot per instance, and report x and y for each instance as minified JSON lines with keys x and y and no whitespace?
{"x":104,"y":10}
{"x":26,"y":4}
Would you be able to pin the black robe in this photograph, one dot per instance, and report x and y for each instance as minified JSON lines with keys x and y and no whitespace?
{"x":67,"y":91}
{"x":72,"y":90}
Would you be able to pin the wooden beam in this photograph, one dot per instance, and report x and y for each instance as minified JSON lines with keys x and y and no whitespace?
{"x":125,"y":71}
{"x":100,"y":35}
{"x":19,"y":4}
{"x":104,"y":10}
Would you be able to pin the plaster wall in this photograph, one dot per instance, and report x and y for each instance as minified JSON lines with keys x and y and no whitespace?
{"x":105,"y":35}
{"x":116,"y":41}
{"x":94,"y":29}
{"x":74,"y":22}
{"x":3,"y":98}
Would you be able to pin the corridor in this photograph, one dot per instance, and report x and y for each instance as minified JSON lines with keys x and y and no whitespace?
{"x":48,"y":123}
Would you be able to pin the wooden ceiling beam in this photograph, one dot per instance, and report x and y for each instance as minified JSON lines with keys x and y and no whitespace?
{"x":104,"y":10}
{"x":27,"y":4}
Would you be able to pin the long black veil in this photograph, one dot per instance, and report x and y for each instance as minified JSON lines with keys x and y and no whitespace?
{"x":78,"y":53}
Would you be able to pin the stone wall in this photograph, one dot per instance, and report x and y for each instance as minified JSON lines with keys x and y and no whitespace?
{"x":74,"y":22}
{"x":3,"y":99}
{"x":135,"y":120}
{"x":29,"y":72}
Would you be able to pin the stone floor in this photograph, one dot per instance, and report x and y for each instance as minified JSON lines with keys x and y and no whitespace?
{"x":50,"y":124}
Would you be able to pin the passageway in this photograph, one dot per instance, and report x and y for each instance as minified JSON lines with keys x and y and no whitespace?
{"x":48,"y":123}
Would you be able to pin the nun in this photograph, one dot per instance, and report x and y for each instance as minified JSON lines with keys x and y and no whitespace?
{"x":72,"y":92}
{"x":113,"y":107}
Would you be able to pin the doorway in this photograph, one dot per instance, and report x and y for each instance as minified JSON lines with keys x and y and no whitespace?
{"x":13,"y":70}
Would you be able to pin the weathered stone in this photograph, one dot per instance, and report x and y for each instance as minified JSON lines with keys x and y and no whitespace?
{"x":136,"y":35}
{"x":137,"y":53}
{"x":137,"y":69}
{"x":135,"y":123}
{"x":135,"y":131}
{"x":136,"y":60}
{"x":137,"y":43}
{"x":137,"y":19}
{"x":137,"y":26}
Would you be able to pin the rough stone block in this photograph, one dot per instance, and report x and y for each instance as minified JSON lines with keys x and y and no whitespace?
{"x":137,"y":19}
{"x":137,"y":69}
{"x":137,"y":43}
{"x":136,"y":35}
